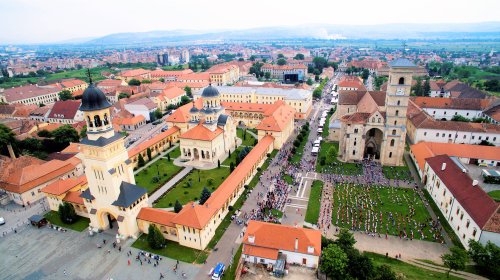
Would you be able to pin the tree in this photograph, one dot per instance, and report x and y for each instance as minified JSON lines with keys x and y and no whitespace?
{"x":231,"y":167}
{"x":123,"y":95}
{"x":333,"y":262}
{"x":157,"y":114}
{"x":365,"y":74}
{"x":280,"y":55}
{"x":384,"y":272}
{"x":168,"y":157}
{"x":141,"y":161}
{"x":460,"y":118}
{"x":267,"y":75}
{"x":492,"y":85}
{"x":359,"y":266}
{"x":145,"y":81}
{"x":320,"y":63}
{"x":7,"y":137}
{"x":281,"y":61}
{"x":331,"y":154}
{"x":486,"y":257}
{"x":155,"y":238}
{"x":456,"y":259}
{"x":162,"y":80}
{"x":188,"y":91}
{"x":185,"y":100}
{"x":252,"y":58}
{"x":83,"y":132}
{"x":134,"y":82}
{"x":427,"y":87}
{"x":44,"y":133}
{"x":299,"y":56}
{"x":65,"y":135}
{"x":205,"y":195}
{"x":218,"y":163}
{"x":148,"y":152}
{"x":67,"y":213}
{"x":177,"y":206}
{"x":417,"y":88}
{"x":65,"y":95}
{"x":309,"y":81}
{"x":243,"y":153}
{"x":345,"y":239}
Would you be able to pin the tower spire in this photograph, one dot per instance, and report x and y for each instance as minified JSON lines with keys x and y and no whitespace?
{"x":89,"y":75}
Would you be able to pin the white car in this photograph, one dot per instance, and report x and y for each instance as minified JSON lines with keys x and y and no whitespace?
{"x":2,"y":221}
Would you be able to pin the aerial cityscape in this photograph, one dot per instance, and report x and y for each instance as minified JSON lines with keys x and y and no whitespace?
{"x":197,"y":140}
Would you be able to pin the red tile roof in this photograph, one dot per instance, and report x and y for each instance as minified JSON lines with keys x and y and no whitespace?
{"x":144,"y":145}
{"x":72,"y":83}
{"x":200,"y":132}
{"x":473,"y":199}
{"x":452,"y":103}
{"x":157,"y":216}
{"x":261,"y":252}
{"x":65,"y":109}
{"x":279,"y":119}
{"x":194,"y":215}
{"x":134,"y":73}
{"x":63,"y":185}
{"x":181,"y":115}
{"x":73,"y":197}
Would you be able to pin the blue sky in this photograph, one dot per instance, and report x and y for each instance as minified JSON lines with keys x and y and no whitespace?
{"x":33,"y":21}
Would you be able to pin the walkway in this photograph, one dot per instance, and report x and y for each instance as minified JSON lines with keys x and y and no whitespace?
{"x":157,"y":157}
{"x":253,"y":134}
{"x":158,"y":193}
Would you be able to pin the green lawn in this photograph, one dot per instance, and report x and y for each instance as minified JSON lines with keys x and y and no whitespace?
{"x":288,"y":179}
{"x":80,"y":225}
{"x":300,"y":150}
{"x":198,"y":179}
{"x":247,"y":139}
{"x":408,"y":271}
{"x":495,"y":195}
{"x":230,"y":273}
{"x":175,"y":153}
{"x":314,"y":203}
{"x":337,"y":167}
{"x":167,"y":170}
{"x":173,"y":250}
{"x":375,"y":201}
{"x":444,"y":223}
{"x":397,"y":172}
{"x":233,"y":156}
{"x":326,"y":131}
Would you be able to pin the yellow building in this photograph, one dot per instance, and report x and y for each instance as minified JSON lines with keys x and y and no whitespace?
{"x":69,"y":191}
{"x":74,"y":85}
{"x":112,"y":198}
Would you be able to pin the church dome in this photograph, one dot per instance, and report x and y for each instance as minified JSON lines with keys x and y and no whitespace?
{"x":210,"y":91}
{"x":93,"y":99}
{"x":193,"y":110}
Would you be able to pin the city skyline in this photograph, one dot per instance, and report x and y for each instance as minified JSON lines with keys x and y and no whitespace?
{"x":83,"y":19}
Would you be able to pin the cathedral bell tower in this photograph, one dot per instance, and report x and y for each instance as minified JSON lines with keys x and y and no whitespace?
{"x":112,"y":196}
{"x":396,"y":104}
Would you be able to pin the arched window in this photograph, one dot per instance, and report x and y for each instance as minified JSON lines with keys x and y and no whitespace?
{"x":106,"y":122}
{"x":393,"y":132}
{"x":97,"y":121}
{"x":395,"y":122}
{"x":390,"y":155}
{"x":89,"y":122}
{"x":397,"y":113}
{"x":399,"y":102}
{"x":392,"y":142}
{"x":401,"y":81}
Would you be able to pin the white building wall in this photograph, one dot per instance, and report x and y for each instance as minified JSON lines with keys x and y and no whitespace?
{"x":448,"y":114}
{"x":453,"y":136}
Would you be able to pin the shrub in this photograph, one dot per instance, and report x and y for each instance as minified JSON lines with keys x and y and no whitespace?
{"x":67,"y":213}
{"x":155,"y":238}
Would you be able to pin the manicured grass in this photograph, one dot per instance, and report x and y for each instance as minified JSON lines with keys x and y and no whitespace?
{"x":326,"y":131}
{"x":397,"y":172}
{"x":234,"y":155}
{"x":288,"y":179}
{"x":167,"y":170}
{"x":231,"y":272}
{"x":198,"y":179}
{"x":336,"y":166}
{"x":376,"y":201}
{"x":80,"y":74}
{"x":247,"y":139}
{"x":444,"y":223}
{"x":173,"y":250}
{"x":495,"y":195}
{"x":408,"y":271}
{"x":80,"y":225}
{"x":300,"y":150}
{"x":175,"y":153}
{"x":276,"y":213}
{"x":314,"y":203}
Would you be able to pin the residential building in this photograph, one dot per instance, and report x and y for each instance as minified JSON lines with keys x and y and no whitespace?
{"x":286,"y":73}
{"x":74,"y":85}
{"x":30,"y":94}
{"x":441,"y":108}
{"x":144,"y":106}
{"x":137,"y":74}
{"x":65,"y":112}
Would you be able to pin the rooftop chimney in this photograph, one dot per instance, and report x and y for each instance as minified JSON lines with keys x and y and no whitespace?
{"x":443,"y":167}
{"x":251,"y":239}
{"x":296,"y":244}
{"x":474,"y":183}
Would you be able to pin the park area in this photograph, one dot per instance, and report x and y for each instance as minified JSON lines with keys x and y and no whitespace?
{"x":395,"y":211}
{"x":80,"y":225}
{"x":190,"y":187}
{"x":328,"y":163}
{"x":397,"y":172}
{"x":314,"y":203}
{"x":246,"y":138}
{"x":157,"y":174}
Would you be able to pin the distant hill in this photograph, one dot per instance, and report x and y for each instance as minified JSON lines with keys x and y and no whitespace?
{"x":485,"y":30}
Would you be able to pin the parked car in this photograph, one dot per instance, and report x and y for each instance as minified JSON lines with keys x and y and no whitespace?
{"x":2,"y":221}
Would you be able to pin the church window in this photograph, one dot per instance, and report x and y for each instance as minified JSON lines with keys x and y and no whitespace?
{"x":390,"y":155}
{"x":392,"y":142}
{"x":401,"y":81}
{"x":395,"y":122}
{"x":89,"y":122}
{"x":379,"y":120}
{"x":355,"y":130}
{"x":106,"y":122}
{"x":397,"y":113}
{"x":373,"y":119}
{"x":437,"y":134}
{"x":442,"y":135}
{"x":354,"y":143}
{"x":393,"y":132}
{"x":353,"y":152}
{"x":399,"y":102}
{"x":468,"y":223}
{"x":474,"y":232}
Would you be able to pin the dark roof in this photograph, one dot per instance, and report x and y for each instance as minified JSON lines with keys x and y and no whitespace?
{"x":87,"y":195}
{"x":222,"y":119}
{"x":467,"y":91}
{"x":101,"y":141}
{"x":129,"y":193}
{"x":36,"y":218}
{"x":472,"y":198}
{"x":193,"y":110}
{"x":93,"y":99}
{"x":64,"y":109}
{"x":7,"y":109}
{"x":210,"y":91}
{"x":401,"y":62}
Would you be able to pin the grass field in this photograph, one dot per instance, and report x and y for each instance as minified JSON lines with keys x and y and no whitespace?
{"x":80,"y":225}
{"x":326,"y":131}
{"x":405,"y":270}
{"x":173,"y":250}
{"x":397,"y":172}
{"x":369,"y":203}
{"x":314,"y":203}
{"x":336,"y":166}
{"x":300,"y":150}
{"x":288,"y":179}
{"x":246,"y":138}
{"x":167,"y":170}
{"x":233,"y":156}
{"x":495,"y":195}
{"x":198,"y":179}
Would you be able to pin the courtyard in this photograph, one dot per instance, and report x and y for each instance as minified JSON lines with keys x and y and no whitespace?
{"x":159,"y":172}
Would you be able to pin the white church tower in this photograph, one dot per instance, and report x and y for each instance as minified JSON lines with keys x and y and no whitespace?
{"x":112,"y":198}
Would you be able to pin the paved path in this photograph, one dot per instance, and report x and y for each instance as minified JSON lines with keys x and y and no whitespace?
{"x":157,"y":157}
{"x":253,"y":134}
{"x":169,"y":184}
{"x":17,"y":216}
{"x":428,"y":266}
